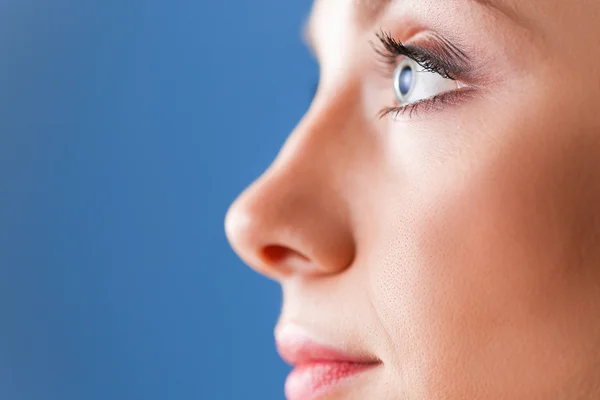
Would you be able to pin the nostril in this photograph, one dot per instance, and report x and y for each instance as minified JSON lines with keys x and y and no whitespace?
{"x":275,"y":254}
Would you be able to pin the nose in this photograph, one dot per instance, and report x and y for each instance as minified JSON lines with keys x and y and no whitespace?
{"x":295,"y":220}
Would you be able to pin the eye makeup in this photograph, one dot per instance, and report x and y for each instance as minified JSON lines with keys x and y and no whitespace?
{"x":433,"y":54}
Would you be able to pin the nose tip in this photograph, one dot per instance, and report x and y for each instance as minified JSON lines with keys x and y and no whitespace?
{"x":281,"y":231}
{"x":242,"y":232}
{"x":268,"y":255}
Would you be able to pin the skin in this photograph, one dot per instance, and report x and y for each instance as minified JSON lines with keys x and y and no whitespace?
{"x":460,"y":246}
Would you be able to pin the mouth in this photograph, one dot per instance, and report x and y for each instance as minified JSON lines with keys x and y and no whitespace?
{"x":319,"y":370}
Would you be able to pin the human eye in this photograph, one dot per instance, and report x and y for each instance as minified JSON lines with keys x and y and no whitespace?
{"x":424,"y":77}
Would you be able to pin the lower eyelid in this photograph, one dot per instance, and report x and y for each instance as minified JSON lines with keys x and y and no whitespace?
{"x":436,"y":103}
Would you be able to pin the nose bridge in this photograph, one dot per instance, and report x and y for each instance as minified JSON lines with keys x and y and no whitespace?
{"x":295,"y":217}
{"x":323,"y":144}
{"x":323,"y":129}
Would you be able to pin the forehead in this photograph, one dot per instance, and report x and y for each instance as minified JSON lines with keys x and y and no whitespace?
{"x":364,"y":13}
{"x":360,"y":11}
{"x":369,"y":9}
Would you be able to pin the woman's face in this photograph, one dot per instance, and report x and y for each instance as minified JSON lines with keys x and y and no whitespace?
{"x":450,"y":245}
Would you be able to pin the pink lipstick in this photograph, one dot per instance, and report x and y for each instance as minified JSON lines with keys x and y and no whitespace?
{"x":318,"y":370}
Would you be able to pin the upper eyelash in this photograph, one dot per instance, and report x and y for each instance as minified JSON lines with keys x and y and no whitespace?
{"x":391,"y":48}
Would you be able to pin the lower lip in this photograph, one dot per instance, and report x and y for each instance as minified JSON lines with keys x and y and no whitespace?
{"x":313,"y":380}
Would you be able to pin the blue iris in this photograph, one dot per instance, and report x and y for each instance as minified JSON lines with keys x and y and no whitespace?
{"x":405,"y":80}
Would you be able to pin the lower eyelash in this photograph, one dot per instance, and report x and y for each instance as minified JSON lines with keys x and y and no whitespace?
{"x":409,"y":108}
{"x":435,"y":103}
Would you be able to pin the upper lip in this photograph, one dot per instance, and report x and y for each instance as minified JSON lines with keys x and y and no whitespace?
{"x":296,"y":346}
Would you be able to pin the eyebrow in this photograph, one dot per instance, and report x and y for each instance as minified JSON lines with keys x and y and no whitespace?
{"x":376,"y":6}
{"x":370,"y":9}
{"x":503,"y":8}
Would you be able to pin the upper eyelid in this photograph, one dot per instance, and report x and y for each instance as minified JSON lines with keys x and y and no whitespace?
{"x":440,"y":44}
{"x":392,"y":49}
{"x":435,"y":54}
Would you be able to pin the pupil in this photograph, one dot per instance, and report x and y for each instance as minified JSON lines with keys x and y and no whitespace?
{"x":405,"y":80}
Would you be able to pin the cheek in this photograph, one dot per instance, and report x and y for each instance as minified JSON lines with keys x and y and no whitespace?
{"x":485,"y":271}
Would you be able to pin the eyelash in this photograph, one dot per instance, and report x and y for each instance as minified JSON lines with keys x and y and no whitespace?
{"x":389,"y":49}
{"x":429,"y":104}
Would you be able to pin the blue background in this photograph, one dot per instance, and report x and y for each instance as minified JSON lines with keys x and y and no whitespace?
{"x":126,"y":129}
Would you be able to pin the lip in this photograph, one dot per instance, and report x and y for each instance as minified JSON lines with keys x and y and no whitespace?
{"x":319,"y":369}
